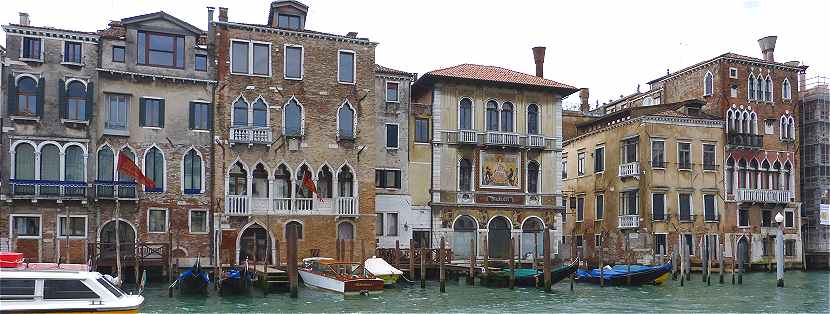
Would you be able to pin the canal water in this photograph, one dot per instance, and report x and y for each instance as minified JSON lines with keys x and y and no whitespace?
{"x":804,"y":292}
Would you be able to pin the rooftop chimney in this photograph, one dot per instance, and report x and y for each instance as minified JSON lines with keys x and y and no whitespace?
{"x":768,"y":47}
{"x":539,"y":58}
{"x":223,"y":14}
{"x":210,"y":15}
{"x":24,"y":18}
{"x":583,"y":98}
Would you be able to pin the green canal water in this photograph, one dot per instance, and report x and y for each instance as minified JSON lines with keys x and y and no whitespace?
{"x":804,"y":292}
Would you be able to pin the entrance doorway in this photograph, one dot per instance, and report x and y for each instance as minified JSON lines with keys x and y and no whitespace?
{"x":253,"y":244}
{"x":126,"y":236}
{"x":498,"y":237}
{"x":743,"y":253}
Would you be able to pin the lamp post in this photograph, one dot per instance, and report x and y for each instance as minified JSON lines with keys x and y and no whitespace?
{"x":779,"y":249}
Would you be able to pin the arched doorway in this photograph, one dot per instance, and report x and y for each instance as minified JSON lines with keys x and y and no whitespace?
{"x":743,"y":253}
{"x":532,"y":232}
{"x":464,"y":231}
{"x":254,"y":244}
{"x":345,"y":231}
{"x":498,"y":237}
{"x":126,"y":236}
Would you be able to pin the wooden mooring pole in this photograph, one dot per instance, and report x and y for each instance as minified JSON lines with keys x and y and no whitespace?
{"x":601,"y":263}
{"x":398,"y":253}
{"x":423,"y":268}
{"x":471,"y":279}
{"x":546,"y":259}
{"x":512,"y":263}
{"x":486,"y":254}
{"x":733,"y":258}
{"x":682,"y":260}
{"x":412,"y":258}
{"x":441,"y":276}
{"x":720,"y":261}
{"x":291,"y":263}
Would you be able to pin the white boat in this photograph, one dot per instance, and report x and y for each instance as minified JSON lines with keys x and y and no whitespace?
{"x":61,"y":288}
{"x":343,"y":277}
{"x":381,"y":269}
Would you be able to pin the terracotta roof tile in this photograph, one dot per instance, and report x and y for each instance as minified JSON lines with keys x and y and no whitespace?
{"x":382,"y":69}
{"x":496,"y":74}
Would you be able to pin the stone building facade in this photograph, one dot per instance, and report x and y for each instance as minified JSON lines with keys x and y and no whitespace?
{"x":293,"y":105}
{"x":814,"y":141}
{"x":496,"y":143}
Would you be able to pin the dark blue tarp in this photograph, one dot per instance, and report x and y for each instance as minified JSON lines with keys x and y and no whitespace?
{"x":618,"y":271}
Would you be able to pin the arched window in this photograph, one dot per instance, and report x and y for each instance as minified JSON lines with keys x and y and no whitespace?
{"x":730,"y":176}
{"x":753,"y":174}
{"x":50,"y":163}
{"x":154,"y":169}
{"x":106,"y":160}
{"x":742,"y":174}
{"x":776,"y":175}
{"x":465,"y":114}
{"x":533,"y":119}
{"x":123,"y":177}
{"x":465,"y":175}
{"x":260,"y":113}
{"x":786,"y":91}
{"x":708,"y":84}
{"x":765,"y":175}
{"x":296,"y":227}
{"x":76,"y":101}
{"x":26,"y":96}
{"x":345,"y":231}
{"x":74,"y":169}
{"x":791,"y":124}
{"x":240,"y":112}
{"x":751,"y":84}
{"x":739,"y":119}
{"x":753,"y":123}
{"x":730,"y":121}
{"x":345,"y":182}
{"x":345,"y":122}
{"x":746,"y":121}
{"x":492,"y":116}
{"x":787,"y":176}
{"x":759,"y":85}
{"x":237,"y":180}
{"x":192,"y":173}
{"x":292,"y":118}
{"x":282,"y":182}
{"x":24,"y":162}
{"x":533,"y":175}
{"x":324,"y":182}
{"x":302,"y":190}
{"x":259,"y":186}
{"x":507,"y":117}
{"x":768,"y":89}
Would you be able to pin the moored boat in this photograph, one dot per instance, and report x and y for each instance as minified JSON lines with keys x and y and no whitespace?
{"x":194,"y":280}
{"x":381,"y":269}
{"x":237,"y":280}
{"x":619,"y":275}
{"x":343,"y":277}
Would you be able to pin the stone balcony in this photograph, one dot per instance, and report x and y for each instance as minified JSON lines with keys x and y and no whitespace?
{"x":631,"y":169}
{"x":503,"y":139}
{"x":48,"y":189}
{"x":764,"y":196}
{"x":251,"y":135}
{"x":629,"y":221}
{"x":244,"y":205}
{"x":740,"y":140}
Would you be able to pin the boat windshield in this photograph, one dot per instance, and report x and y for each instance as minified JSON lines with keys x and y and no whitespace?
{"x":112,"y":288}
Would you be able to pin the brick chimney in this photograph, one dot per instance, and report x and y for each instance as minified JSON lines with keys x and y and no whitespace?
{"x":223,"y":14}
{"x":768,"y":47}
{"x":539,"y":58}
{"x":584,"y":106}
{"x":24,"y":18}
{"x":210,"y":15}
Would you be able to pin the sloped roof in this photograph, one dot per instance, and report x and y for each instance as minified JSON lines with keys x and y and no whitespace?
{"x":728,"y":55}
{"x":47,"y":28}
{"x":162,"y":15}
{"x":488,"y":73}
{"x":382,"y":69}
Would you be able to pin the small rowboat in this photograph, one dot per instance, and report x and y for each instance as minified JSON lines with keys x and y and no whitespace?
{"x":618,"y":275}
{"x":194,"y":280}
{"x":237,"y":280}
{"x":381,"y":269}
{"x":343,"y":277}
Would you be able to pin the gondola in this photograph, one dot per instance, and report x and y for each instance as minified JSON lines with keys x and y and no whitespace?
{"x":618,"y":275}
{"x":235,"y":281}
{"x":557,"y":274}
{"x":528,"y":277}
{"x":194,"y":280}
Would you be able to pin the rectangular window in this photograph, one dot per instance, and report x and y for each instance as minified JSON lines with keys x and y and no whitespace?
{"x":157,"y":220}
{"x":743,"y":217}
{"x":345,"y":66}
{"x":67,"y":289}
{"x":239,"y":57}
{"x":26,"y":226}
{"x":789,"y":247}
{"x":710,"y":210}
{"x":660,"y":247}
{"x":118,"y":54}
{"x":152,"y":112}
{"x":733,"y":91}
{"x":117,"y":111}
{"x":766,"y":218}
{"x":684,"y":156}
{"x":597,"y":240}
{"x":599,"y":159}
{"x":580,"y":208}
{"x":199,"y":116}
{"x":293,"y":62}
{"x":77,"y":226}
{"x":31,"y":48}
{"x":629,"y":150}
{"x":392,"y":224}
{"x":658,"y":154}
{"x":421,"y":130}
{"x":629,"y":203}
{"x":580,"y":163}
{"x":658,"y":206}
{"x":789,"y":219}
{"x":250,"y":58}
{"x":17,"y":289}
{"x":600,"y":207}
{"x":388,"y":178}
{"x":379,"y":224}
{"x":200,"y":63}
{"x":578,"y":241}
{"x":733,"y":73}
{"x":690,"y":244}
{"x":769,"y":126}
{"x":391,"y":136}
{"x":262,"y":59}
{"x":72,"y":52}
{"x":709,"y":157}
{"x":564,"y":168}
{"x":392,"y":91}
{"x":288,"y":21}
{"x":198,"y":221}
{"x":685,"y":206}
{"x":162,"y":50}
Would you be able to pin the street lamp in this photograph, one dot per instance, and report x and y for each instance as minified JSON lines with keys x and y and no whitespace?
{"x":779,"y":249}
{"x":779,"y":218}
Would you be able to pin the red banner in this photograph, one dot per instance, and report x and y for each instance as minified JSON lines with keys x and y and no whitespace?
{"x":128,"y":167}
{"x":309,"y":184}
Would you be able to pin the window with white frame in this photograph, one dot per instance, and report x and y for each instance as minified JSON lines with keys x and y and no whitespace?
{"x":345,"y":122}
{"x":75,"y":101}
{"x":684,"y":156}
{"x":660,"y":244}
{"x":157,"y":220}
{"x":77,"y":226}
{"x":28,"y":94}
{"x":733,"y":73}
{"x":392,"y":91}
{"x":709,"y":157}
{"x":117,"y":110}
{"x":379,"y":224}
{"x":465,"y":114}
{"x":293,"y":62}
{"x":392,"y":224}
{"x":768,"y":89}
{"x":533,"y":175}
{"x":658,"y":206}
{"x":599,"y":207}
{"x":154,"y":169}
{"x":391,"y":136}
{"x":769,"y":126}
{"x":346,"y":67}
{"x":580,"y":208}
{"x":786,"y":90}
{"x":151,"y":112}
{"x":292,"y":118}
{"x":388,"y":178}
{"x":708,"y":84}
{"x":465,"y":175}
{"x":685,"y":206}
{"x":689,"y":243}
{"x":629,"y":203}
{"x":580,"y":163}
{"x":658,"y":153}
{"x":250,"y":58}
{"x":192,"y":172}
{"x":599,"y":159}
{"x":710,"y":210}
{"x":751,"y":85}
{"x":240,"y":112}
{"x":507,"y":117}
{"x":532,"y":119}
{"x":733,"y":91}
{"x":198,"y":221}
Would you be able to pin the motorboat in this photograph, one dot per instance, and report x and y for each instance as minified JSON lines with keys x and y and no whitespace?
{"x":381,"y":269}
{"x":344,"y":277}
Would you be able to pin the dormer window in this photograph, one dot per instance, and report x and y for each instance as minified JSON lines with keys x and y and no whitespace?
{"x":288,"y":21}
{"x":162,"y":50}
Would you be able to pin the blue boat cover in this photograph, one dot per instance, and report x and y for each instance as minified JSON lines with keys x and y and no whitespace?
{"x":618,"y":271}
{"x":200,"y":274}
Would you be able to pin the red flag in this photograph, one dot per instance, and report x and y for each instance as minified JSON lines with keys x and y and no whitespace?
{"x":126,"y":166}
{"x":308,"y":184}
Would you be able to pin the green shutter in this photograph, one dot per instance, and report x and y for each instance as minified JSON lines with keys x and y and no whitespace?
{"x":41,"y":92}
{"x":11,"y":93}
{"x":141,"y":112}
{"x":62,"y":98}
{"x":192,"y":121}
{"x":90,"y":100}
{"x":161,"y":113}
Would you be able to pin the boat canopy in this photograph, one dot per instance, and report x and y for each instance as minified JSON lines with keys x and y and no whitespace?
{"x":379,"y":267}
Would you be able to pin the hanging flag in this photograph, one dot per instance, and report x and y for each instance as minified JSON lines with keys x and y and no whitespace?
{"x":309,"y":184}
{"x":126,"y":166}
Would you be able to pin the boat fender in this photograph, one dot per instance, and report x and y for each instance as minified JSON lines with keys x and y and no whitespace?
{"x":364,"y":292}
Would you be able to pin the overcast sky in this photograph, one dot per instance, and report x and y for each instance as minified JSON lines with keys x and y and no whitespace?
{"x":607,"y":46}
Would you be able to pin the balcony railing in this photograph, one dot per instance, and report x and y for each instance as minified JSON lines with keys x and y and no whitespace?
{"x":744,"y":140}
{"x":472,"y":137}
{"x":629,"y":221}
{"x":251,"y":135}
{"x":115,"y":189}
{"x":237,"y":205}
{"x":499,"y":138}
{"x":467,"y":137}
{"x":536,"y":141}
{"x":764,"y":196}
{"x":346,"y":206}
{"x":629,"y":169}
{"x":48,"y":188}
{"x":243,"y":205}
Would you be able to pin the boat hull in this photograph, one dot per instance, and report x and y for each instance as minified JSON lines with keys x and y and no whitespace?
{"x":656,"y":275}
{"x":233,"y":286}
{"x":389,"y":279}
{"x":346,"y":287}
{"x":193,"y":285}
